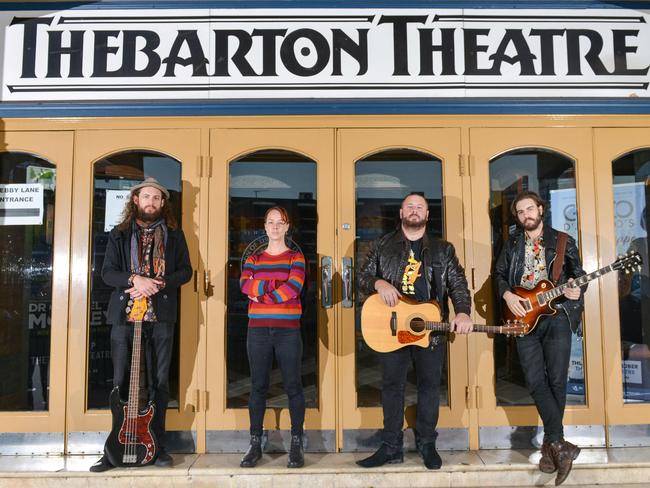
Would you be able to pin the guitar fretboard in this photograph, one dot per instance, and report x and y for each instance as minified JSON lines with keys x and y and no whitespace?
{"x":444,"y":327}
{"x":553,"y":293}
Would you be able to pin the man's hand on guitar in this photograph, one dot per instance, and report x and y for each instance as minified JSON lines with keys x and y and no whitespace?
{"x":514,"y":304}
{"x":388,"y":292}
{"x":572,"y":293}
{"x":462,"y":324}
{"x":143,"y":287}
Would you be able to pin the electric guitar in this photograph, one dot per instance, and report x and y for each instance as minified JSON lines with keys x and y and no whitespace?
{"x":409,"y":323}
{"x":537,"y":302}
{"x":131,"y":441}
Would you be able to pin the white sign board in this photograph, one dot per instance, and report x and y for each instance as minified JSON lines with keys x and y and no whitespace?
{"x":632,"y":372}
{"x":21,"y":204}
{"x":202,"y":53}
{"x":115,"y":202}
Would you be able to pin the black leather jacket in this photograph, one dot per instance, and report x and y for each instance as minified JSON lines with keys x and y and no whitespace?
{"x":387,"y":259}
{"x":509,"y":267}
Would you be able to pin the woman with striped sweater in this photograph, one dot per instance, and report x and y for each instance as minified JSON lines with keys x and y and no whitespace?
{"x":273,"y":280}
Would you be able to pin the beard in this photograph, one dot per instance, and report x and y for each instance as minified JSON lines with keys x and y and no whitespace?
{"x":532,"y":224}
{"x":149,"y":217}
{"x":413,"y":222}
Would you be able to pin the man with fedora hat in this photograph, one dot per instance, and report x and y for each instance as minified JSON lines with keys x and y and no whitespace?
{"x":146,"y":256}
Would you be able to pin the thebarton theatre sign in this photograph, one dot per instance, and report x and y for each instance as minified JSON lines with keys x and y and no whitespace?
{"x":324,"y":53}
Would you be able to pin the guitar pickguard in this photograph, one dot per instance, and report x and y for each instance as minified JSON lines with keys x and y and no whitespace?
{"x":405,"y":337}
{"x":141,"y":433}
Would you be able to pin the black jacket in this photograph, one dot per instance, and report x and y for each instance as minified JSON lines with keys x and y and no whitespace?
{"x":509,"y":267}
{"x":387,"y":259}
{"x":116,"y":272}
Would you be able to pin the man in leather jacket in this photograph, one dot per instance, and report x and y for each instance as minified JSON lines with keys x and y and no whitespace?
{"x":408,"y":262}
{"x":544,"y":353}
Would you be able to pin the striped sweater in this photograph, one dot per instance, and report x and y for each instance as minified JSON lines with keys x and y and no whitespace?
{"x":276,"y":282}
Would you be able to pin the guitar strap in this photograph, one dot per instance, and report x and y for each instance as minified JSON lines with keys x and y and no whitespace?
{"x":560,"y":248}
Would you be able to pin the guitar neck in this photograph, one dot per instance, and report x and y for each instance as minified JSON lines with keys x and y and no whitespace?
{"x":444,"y":327}
{"x":576,"y":283}
{"x":134,"y":382}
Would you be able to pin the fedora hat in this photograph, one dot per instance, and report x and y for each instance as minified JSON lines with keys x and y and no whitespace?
{"x":152,"y":182}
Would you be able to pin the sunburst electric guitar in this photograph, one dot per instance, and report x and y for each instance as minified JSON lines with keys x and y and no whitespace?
{"x":409,"y":323}
{"x":131,"y":441}
{"x":538,"y":301}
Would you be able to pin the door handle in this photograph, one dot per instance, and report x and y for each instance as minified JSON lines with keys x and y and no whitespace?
{"x":207,"y":286}
{"x":346,"y":275}
{"x":326,"y":281}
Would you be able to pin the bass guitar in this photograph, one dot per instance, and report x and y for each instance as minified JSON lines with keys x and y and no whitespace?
{"x":537,"y":302}
{"x":131,"y":441}
{"x":409,"y":323}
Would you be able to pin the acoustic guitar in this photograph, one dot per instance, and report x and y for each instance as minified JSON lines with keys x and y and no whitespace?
{"x":131,"y":441}
{"x":537,"y":302}
{"x":409,"y":323}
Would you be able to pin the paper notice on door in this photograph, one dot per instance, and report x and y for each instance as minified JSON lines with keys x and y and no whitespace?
{"x":21,"y":204}
{"x":115,"y":201}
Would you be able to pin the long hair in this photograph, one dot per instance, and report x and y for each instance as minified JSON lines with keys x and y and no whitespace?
{"x":130,"y":213}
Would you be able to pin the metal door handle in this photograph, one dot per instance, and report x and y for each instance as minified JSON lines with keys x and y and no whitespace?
{"x":207,"y":286}
{"x":326,"y":281}
{"x":346,"y":275}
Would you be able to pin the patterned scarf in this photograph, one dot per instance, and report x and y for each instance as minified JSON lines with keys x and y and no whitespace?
{"x":148,"y":251}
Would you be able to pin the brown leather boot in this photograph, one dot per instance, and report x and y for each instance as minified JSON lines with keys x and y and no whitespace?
{"x":563,"y":455}
{"x":546,"y":463}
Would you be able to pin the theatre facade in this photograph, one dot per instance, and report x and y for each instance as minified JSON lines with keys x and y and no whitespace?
{"x":335,"y":114}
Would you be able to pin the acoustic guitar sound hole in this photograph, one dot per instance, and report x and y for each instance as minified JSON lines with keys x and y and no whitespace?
{"x":417,"y":325}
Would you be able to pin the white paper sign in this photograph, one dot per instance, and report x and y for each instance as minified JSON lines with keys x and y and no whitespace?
{"x":21,"y":204}
{"x":115,"y":201}
{"x":632,"y":372}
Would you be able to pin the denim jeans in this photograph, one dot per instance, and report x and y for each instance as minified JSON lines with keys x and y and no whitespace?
{"x":544,"y":355}
{"x":157,"y":344}
{"x":262,"y":343}
{"x":428,"y":364}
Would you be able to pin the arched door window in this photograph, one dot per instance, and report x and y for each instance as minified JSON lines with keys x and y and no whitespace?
{"x":631,"y":178}
{"x":112,"y":177}
{"x":259,"y":181}
{"x":552,"y":176}
{"x":382,"y":180}
{"x":27,"y":195}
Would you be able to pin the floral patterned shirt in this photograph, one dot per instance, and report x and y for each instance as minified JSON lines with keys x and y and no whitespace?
{"x":534,"y":263}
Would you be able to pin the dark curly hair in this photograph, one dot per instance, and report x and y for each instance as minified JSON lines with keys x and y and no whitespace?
{"x":131,"y":212}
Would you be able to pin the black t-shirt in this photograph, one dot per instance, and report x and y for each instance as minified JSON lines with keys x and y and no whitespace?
{"x":413,"y":282}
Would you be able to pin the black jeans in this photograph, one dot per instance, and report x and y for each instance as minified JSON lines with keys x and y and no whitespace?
{"x":157,"y":345}
{"x":428,"y":368}
{"x":544,"y":355}
{"x":262,"y":343}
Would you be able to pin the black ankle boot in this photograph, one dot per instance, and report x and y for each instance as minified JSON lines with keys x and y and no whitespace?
{"x":384,"y":455}
{"x":432,"y":459}
{"x":253,"y":454}
{"x":296,"y":453}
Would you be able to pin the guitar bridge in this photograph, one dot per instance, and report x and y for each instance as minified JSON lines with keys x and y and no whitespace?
{"x":393,"y":324}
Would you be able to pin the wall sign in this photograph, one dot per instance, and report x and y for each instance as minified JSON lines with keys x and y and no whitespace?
{"x":324,"y":53}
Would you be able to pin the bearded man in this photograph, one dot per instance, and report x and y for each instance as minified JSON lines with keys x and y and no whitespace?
{"x":146,"y":256}
{"x":410,"y":263}
{"x":524,"y":261}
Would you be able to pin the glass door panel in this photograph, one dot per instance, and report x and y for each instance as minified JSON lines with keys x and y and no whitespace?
{"x":107,"y":164}
{"x":556,"y":163}
{"x":623,"y":185}
{"x":377,"y":169}
{"x":35,"y":190}
{"x":264,"y":168}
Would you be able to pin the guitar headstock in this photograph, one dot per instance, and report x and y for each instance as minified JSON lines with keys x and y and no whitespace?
{"x":629,"y":262}
{"x":515,"y":328}
{"x":138,"y":309}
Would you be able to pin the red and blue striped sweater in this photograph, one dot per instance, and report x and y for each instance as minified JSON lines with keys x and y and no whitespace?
{"x":276,"y":282}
